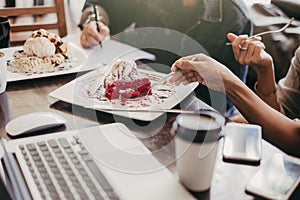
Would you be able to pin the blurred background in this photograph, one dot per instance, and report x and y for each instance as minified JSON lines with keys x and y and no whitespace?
{"x":72,"y":8}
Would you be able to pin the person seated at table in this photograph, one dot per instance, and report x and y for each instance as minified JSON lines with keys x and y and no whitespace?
{"x":207,"y":22}
{"x":278,"y":129}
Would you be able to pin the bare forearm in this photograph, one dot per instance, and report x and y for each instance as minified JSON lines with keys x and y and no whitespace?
{"x":252,"y":52}
{"x":265,"y":86}
{"x":277,"y":129}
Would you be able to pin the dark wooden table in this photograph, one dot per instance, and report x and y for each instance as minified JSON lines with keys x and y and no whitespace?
{"x":28,"y":96}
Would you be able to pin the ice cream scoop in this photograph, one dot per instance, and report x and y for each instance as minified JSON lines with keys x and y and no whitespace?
{"x":39,"y":46}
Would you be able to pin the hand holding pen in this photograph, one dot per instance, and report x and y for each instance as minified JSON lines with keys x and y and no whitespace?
{"x":95,"y":31}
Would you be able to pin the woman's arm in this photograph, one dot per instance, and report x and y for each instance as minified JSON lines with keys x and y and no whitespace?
{"x":277,"y":129}
{"x":252,"y":52}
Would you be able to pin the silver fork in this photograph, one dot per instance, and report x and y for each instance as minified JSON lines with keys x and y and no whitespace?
{"x":164,"y":78}
{"x":267,"y":32}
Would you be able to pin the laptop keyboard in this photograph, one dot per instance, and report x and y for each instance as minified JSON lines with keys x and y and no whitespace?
{"x":62,"y":168}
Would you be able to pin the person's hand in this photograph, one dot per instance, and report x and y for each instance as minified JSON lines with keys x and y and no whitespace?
{"x":91,"y":37}
{"x":203,"y":69}
{"x":250,"y":52}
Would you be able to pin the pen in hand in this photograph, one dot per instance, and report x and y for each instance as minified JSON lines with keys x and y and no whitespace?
{"x":97,"y":22}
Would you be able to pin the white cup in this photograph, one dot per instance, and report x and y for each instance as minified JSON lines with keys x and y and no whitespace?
{"x":3,"y":78}
{"x":196,"y":145}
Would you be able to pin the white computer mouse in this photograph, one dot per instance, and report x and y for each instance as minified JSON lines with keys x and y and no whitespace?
{"x":34,"y":122}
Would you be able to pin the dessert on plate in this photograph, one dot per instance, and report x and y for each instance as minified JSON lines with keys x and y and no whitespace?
{"x":42,"y":52}
{"x":124,"y":81}
{"x":123,"y":84}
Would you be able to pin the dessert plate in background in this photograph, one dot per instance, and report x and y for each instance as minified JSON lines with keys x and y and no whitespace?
{"x":75,"y":92}
{"x":78,"y":57}
{"x":87,"y":59}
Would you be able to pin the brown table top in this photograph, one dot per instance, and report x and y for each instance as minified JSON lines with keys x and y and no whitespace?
{"x":28,"y":96}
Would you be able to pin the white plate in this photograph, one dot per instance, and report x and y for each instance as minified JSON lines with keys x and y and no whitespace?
{"x":75,"y":92}
{"x":77,"y":53}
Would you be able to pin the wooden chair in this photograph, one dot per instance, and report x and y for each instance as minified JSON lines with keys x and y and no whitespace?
{"x":58,"y":9}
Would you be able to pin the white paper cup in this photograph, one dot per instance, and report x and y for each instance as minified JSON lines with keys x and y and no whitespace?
{"x":3,"y":77}
{"x":196,"y":148}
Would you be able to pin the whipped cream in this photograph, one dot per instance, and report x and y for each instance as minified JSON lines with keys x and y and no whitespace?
{"x":123,"y":70}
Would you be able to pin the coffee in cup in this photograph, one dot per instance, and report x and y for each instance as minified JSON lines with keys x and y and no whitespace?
{"x":196,"y":145}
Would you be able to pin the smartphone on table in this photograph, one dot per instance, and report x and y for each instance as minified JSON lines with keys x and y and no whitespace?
{"x":242,"y":143}
{"x":277,"y":179}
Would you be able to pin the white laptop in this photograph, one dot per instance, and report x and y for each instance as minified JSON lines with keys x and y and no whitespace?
{"x":100,"y":162}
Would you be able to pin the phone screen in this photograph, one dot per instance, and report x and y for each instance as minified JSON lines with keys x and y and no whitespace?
{"x":242,"y":142}
{"x":277,"y":179}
